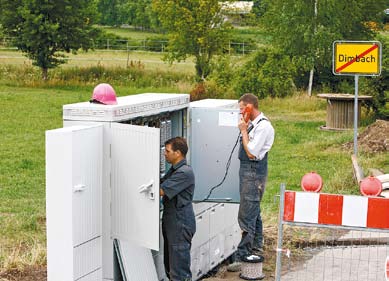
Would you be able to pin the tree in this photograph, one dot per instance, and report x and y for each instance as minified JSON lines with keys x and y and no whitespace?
{"x":138,"y":13}
{"x":307,"y":36}
{"x":259,"y":8}
{"x":109,"y":12}
{"x":45,"y":30}
{"x":195,"y":28}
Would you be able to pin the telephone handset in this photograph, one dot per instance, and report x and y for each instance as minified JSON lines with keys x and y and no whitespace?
{"x":247,"y":112}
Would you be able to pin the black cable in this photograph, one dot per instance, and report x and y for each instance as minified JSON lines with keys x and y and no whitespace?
{"x":225,"y":174}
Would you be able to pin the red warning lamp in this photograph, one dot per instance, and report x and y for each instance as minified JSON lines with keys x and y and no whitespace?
{"x":311,"y":182}
{"x":370,"y":186}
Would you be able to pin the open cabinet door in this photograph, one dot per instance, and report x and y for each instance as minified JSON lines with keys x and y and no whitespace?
{"x":135,"y":184}
{"x":73,"y":203}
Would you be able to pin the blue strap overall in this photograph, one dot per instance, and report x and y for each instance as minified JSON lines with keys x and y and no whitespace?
{"x":252,"y":180}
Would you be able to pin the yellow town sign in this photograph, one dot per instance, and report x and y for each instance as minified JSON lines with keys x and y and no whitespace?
{"x":356,"y":58}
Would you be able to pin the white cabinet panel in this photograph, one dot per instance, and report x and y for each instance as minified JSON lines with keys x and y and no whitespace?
{"x":202,"y":229}
{"x":204,"y":259}
{"x":158,"y":258}
{"x":212,"y":138}
{"x":87,"y":187}
{"x":200,"y":262}
{"x":87,"y":258}
{"x":93,"y":276}
{"x":230,"y":245}
{"x":73,"y":200}
{"x":216,"y":249}
{"x":236,"y":234}
{"x":216,"y":218}
{"x":231,"y":211}
{"x":137,"y":262}
{"x":135,"y":184}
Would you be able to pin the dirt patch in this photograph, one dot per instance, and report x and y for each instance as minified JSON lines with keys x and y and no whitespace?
{"x":375,"y":138}
{"x":29,"y":273}
{"x":270,"y":254}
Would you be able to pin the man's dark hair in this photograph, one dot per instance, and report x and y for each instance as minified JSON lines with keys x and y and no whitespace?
{"x":178,"y":143}
{"x":249,"y":98}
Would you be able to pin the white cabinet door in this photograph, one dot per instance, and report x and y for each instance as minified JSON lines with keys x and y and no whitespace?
{"x":135,"y":184}
{"x":73,"y":202}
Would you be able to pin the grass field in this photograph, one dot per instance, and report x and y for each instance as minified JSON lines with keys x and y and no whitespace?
{"x":150,"y":61}
{"x":257,"y":34}
{"x":131,"y":33}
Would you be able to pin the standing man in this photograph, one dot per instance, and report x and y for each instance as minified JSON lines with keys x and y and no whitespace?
{"x":178,"y":219}
{"x":257,"y":136}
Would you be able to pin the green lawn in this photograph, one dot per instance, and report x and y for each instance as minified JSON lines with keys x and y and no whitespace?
{"x":251,"y":33}
{"x":131,"y":33}
{"x":254,"y":33}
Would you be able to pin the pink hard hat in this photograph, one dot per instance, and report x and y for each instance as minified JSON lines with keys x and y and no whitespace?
{"x":104,"y":94}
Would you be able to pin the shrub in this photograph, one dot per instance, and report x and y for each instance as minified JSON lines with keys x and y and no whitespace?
{"x":241,"y":45}
{"x":107,"y":40}
{"x":269,"y":73}
{"x":198,"y":92}
{"x":224,"y":72}
{"x":156,"y":43}
{"x":210,"y":89}
{"x":378,"y":87}
{"x":135,"y":76}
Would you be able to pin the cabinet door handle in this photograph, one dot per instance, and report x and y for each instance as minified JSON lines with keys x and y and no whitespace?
{"x":147,"y":188}
{"x":79,"y":188}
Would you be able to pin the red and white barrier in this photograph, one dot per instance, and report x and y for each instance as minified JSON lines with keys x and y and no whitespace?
{"x":334,"y":209}
{"x":387,"y":268}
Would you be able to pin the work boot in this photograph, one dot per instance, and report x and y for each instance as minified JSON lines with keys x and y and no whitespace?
{"x":234,"y":267}
{"x":257,"y":251}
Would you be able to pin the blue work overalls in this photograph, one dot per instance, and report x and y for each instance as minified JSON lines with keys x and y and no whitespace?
{"x":252,"y":181}
{"x":178,"y":221}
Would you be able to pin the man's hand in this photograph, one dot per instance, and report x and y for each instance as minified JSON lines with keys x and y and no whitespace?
{"x":242,"y":125}
{"x":245,"y":137}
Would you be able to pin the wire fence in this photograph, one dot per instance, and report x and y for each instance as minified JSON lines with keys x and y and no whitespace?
{"x":150,"y":45}
{"x":323,"y":254}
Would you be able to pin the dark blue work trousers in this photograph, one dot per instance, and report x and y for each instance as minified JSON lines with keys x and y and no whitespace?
{"x":177,"y":244}
{"x":252,"y":181}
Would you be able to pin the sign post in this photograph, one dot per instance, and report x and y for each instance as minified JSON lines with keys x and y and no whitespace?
{"x":356,"y":58}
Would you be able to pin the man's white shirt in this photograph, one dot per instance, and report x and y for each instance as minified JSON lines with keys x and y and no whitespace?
{"x":261,"y":137}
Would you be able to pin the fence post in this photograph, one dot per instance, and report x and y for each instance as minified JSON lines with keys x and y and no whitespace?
{"x":107,"y":44}
{"x":280,"y":232}
{"x":128,"y":54}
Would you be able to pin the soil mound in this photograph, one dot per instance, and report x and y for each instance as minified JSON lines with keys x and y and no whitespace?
{"x":375,"y":138}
